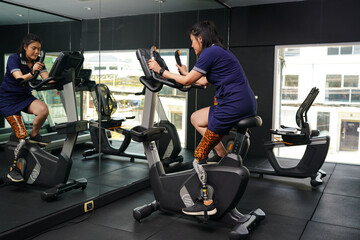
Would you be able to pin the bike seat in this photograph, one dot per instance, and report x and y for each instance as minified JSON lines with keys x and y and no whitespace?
{"x":250,"y":122}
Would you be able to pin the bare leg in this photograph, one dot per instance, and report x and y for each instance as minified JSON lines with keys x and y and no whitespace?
{"x":41,"y":111}
{"x":199,"y":120}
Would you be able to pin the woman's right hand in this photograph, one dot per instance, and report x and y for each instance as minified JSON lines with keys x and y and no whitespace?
{"x":182,"y":69}
{"x":153,"y":65}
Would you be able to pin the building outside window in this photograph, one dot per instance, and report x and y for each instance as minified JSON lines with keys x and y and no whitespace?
{"x":342,"y":88}
{"x":290,"y":87}
{"x":336,"y":110}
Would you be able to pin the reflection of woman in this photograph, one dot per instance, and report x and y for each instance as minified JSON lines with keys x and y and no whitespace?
{"x":15,"y":98}
{"x":235,"y":98}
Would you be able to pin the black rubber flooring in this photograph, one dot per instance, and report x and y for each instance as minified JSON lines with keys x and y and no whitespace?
{"x":294,"y":210}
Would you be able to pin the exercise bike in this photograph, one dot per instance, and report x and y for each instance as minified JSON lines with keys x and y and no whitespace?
{"x":105,"y":102}
{"x":316,"y":147}
{"x":39,"y":167}
{"x":175,"y":191}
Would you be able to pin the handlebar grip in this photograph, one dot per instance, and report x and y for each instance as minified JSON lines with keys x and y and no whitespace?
{"x":36,"y":73}
{"x":41,"y":60}
{"x":42,"y":56}
{"x":152,"y":50}
{"x":177,"y":57}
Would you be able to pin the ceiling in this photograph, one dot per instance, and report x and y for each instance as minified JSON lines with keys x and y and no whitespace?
{"x":93,"y":9}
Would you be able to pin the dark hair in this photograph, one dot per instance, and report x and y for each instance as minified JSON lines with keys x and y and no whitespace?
{"x":207,"y":30}
{"x":31,"y":37}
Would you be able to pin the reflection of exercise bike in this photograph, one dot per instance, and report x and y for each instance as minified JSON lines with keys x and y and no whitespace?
{"x":105,"y":102}
{"x":39,"y":167}
{"x":316,"y":147}
{"x":178,"y":190}
{"x":169,"y":144}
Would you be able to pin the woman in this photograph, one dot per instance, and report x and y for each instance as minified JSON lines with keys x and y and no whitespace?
{"x":235,"y":98}
{"x":15,"y":98}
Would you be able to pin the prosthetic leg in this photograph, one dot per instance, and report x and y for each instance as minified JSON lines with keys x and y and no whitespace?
{"x":206,"y":205}
{"x":15,"y":174}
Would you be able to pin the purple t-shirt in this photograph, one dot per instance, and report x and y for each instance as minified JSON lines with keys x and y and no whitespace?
{"x":234,"y":95}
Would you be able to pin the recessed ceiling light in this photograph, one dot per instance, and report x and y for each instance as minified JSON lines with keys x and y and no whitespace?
{"x":19,"y":15}
{"x":160,"y":1}
{"x":88,"y":8}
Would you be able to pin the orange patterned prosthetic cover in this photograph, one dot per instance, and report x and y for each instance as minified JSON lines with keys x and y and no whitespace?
{"x":17,"y":125}
{"x":208,"y":142}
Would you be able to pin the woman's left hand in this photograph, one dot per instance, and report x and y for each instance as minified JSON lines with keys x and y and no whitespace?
{"x":38,"y":66}
{"x":153,"y":65}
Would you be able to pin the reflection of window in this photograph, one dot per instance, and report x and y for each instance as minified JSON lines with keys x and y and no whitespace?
{"x":100,"y":68}
{"x":113,"y":68}
{"x":290,"y":89}
{"x":176,"y":119}
{"x":323,"y":121}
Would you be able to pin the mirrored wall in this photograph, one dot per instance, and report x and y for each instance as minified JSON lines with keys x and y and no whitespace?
{"x":112,"y":165}
{"x":57,"y":34}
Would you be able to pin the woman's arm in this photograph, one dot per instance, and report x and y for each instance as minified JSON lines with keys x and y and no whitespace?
{"x":19,"y":74}
{"x":44,"y":75}
{"x":186,"y":80}
{"x":37,"y":67}
{"x":202,"y":81}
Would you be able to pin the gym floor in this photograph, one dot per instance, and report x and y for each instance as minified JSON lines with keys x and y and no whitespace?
{"x":294,"y":210}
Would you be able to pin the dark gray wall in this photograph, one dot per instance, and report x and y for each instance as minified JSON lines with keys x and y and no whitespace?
{"x":256,"y":30}
{"x":61,"y":36}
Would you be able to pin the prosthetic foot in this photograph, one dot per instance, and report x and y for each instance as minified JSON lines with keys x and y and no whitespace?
{"x":205,"y":205}
{"x":15,"y":174}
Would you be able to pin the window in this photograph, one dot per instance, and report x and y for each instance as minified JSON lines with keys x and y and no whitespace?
{"x":356,"y":49}
{"x":343,"y":50}
{"x":121,"y":70}
{"x":290,"y":89}
{"x":290,"y":52}
{"x":338,"y":95}
{"x":333,"y":81}
{"x":342,"y":88}
{"x":323,"y":122}
{"x":99,"y":68}
{"x":333,"y":51}
{"x":351,"y":81}
{"x":336,"y":110}
{"x":355,"y":96}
